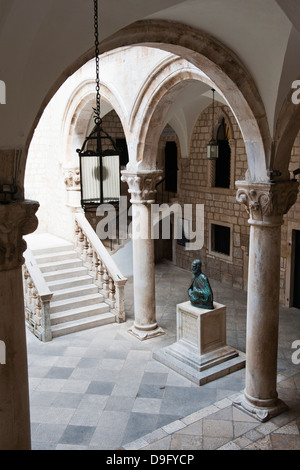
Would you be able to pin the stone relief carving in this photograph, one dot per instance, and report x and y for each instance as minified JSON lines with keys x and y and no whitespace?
{"x":72,"y":178}
{"x":264,"y":200}
{"x":142,"y":185}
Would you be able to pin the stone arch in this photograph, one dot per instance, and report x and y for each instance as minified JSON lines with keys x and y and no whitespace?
{"x":287,"y":128}
{"x":79,"y":111}
{"x":165,"y":83}
{"x":222,"y":66}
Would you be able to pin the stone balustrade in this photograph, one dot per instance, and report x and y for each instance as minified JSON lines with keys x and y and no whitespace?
{"x":37,"y":298}
{"x":101,"y":266}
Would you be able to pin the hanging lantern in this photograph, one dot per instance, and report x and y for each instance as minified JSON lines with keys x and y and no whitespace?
{"x":213,"y":147}
{"x":99,"y":157}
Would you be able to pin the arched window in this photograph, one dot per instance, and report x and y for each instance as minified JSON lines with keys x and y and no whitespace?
{"x":222,"y":175}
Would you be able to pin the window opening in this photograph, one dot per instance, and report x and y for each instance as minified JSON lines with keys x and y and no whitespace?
{"x":220,"y":239}
{"x":222,"y":175}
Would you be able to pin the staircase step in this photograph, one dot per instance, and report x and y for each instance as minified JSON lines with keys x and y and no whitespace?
{"x":65,"y":274}
{"x":74,"y":291}
{"x":82,"y":324}
{"x":60,"y":265}
{"x":78,"y":313}
{"x":56,"y":256}
{"x":76,"y":303}
{"x":69,"y":304}
{"x":62,"y":284}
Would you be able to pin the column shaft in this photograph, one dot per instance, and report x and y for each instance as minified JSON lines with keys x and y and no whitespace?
{"x":143,"y":268}
{"x":14,"y":395}
{"x":262,"y":313}
{"x":266,"y":204}
{"x":142,"y":189}
{"x":16,"y":219}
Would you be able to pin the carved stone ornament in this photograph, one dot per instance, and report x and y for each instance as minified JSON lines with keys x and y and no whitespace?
{"x":141,"y":185}
{"x":267,"y":202}
{"x":16,"y":219}
{"x":72,"y":179}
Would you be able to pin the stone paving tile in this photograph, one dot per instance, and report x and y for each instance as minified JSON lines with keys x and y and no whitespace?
{"x":78,"y":435}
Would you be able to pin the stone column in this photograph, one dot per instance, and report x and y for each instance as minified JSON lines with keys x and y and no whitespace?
{"x":16,"y":219}
{"x":142,"y":190}
{"x":266,"y":204}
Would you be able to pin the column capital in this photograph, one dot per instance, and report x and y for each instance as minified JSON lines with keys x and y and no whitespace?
{"x":142,"y":184}
{"x":72,"y":179}
{"x":267,"y":203}
{"x":16,"y":219}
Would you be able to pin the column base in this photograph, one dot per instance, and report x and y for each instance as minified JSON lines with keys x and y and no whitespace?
{"x":263,"y":412}
{"x":146,"y":332}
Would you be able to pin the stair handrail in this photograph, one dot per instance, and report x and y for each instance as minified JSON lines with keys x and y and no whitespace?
{"x":37,"y":297}
{"x":102,"y":267}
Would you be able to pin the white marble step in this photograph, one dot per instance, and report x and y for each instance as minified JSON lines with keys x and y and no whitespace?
{"x":56,"y":256}
{"x":70,"y":303}
{"x":46,"y":243}
{"x":82,"y":324}
{"x":65,"y":274}
{"x":78,"y":313}
{"x":72,"y":282}
{"x":60,"y":265}
{"x":74,"y":291}
{"x":76,"y":303}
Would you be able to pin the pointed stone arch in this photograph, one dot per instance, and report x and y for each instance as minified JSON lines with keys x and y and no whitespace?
{"x":79,"y":110}
{"x":223,"y":68}
{"x":217,"y":61}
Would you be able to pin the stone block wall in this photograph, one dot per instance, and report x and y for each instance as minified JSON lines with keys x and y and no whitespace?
{"x":220,"y":206}
{"x":291,"y":223}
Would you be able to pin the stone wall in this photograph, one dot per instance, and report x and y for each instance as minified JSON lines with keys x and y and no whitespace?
{"x":291,"y":223}
{"x":220,"y":206}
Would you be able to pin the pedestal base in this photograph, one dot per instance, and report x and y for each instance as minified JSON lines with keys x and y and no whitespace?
{"x":261,"y":413}
{"x":146,"y":333}
{"x":182,"y":366}
{"x":201,"y":353}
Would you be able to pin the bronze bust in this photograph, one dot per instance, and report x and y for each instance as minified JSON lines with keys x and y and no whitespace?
{"x":200,"y":292}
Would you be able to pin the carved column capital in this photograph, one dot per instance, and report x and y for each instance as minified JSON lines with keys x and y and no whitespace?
{"x":267,"y":203}
{"x":141,"y":185}
{"x":16,"y":219}
{"x":72,"y":179}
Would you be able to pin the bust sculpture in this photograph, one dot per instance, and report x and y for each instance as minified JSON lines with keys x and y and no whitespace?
{"x":200,"y":292}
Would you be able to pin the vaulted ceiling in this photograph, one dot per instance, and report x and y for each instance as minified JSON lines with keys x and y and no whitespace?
{"x":41,"y":40}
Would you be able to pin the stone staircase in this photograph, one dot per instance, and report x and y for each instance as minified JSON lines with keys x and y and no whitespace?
{"x":76,"y":303}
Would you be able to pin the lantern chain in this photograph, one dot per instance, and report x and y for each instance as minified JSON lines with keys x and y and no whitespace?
{"x":97,"y":117}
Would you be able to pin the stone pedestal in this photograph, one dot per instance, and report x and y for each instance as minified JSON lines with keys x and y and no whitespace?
{"x":201,"y":353}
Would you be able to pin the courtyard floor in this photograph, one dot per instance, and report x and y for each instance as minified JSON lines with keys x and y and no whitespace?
{"x":102,"y":389}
